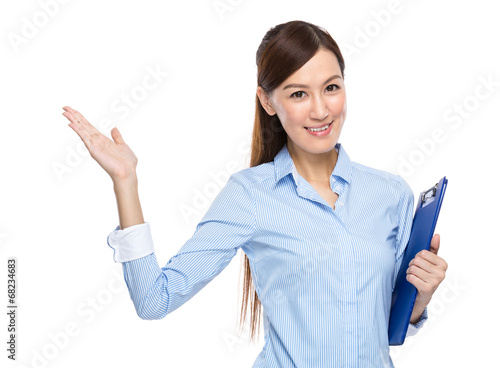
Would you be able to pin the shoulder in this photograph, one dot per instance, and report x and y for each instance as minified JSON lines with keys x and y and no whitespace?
{"x":254,"y":175}
{"x":383,"y":180}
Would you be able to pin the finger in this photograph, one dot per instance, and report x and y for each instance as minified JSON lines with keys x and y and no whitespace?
{"x":93,"y":137}
{"x":416,"y":281}
{"x":436,"y":260}
{"x":422,"y":263}
{"x":117,"y":137}
{"x":419,"y":272}
{"x":78,"y":128}
{"x":436,"y":239}
{"x":81,"y":119}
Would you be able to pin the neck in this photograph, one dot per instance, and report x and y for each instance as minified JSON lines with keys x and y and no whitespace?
{"x":316,"y":167}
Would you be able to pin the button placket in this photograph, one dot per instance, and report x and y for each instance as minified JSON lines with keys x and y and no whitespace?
{"x":339,"y":189}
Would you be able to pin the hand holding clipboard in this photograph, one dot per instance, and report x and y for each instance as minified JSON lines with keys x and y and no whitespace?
{"x":404,"y":294}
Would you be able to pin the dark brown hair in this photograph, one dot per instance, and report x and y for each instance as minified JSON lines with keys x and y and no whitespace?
{"x":284,"y":49}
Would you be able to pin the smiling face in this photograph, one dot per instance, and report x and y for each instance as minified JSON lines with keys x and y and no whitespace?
{"x":313,"y":96}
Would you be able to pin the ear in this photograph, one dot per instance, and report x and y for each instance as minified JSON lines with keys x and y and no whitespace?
{"x":265,"y":101}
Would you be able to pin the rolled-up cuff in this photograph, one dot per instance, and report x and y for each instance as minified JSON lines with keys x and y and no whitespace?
{"x":131,"y":243}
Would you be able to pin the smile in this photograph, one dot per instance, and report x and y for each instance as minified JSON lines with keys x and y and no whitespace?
{"x":325,"y":127}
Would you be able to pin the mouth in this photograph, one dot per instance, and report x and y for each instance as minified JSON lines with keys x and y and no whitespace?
{"x":319,"y":128}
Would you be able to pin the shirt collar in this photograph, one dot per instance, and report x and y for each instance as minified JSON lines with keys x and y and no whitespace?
{"x":283,"y":164}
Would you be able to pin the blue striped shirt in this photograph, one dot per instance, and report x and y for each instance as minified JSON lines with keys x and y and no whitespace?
{"x":324,"y":275}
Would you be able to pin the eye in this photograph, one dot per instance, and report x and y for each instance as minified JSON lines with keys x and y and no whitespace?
{"x":299,"y":94}
{"x":332,"y":85}
{"x":294,"y":95}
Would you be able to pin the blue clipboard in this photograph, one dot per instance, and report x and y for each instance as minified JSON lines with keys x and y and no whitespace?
{"x":404,"y":294}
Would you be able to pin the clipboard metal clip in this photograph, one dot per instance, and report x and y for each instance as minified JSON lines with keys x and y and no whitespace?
{"x":425,"y":197}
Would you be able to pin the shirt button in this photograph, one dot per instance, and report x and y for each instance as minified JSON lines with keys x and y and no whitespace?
{"x":337,"y":189}
{"x":341,"y":203}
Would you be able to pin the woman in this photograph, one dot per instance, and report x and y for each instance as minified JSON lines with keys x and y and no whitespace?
{"x":322,"y":236}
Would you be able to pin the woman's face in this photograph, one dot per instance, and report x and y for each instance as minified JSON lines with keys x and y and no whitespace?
{"x":313,"y":96}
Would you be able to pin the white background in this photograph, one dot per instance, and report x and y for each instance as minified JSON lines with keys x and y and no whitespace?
{"x":408,"y":65}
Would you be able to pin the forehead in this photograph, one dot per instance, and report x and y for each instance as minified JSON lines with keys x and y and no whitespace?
{"x":321,"y":66}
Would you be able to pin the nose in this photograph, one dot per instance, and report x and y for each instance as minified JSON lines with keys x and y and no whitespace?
{"x":319,"y":110}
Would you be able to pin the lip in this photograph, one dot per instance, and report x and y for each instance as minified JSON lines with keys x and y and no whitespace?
{"x":322,"y":133}
{"x":319,"y":126}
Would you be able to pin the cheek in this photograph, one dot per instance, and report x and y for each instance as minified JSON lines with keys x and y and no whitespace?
{"x":294,"y":114}
{"x":339,"y":105}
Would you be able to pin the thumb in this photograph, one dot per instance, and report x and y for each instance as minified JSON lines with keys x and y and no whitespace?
{"x":435,"y":243}
{"x":117,"y":137}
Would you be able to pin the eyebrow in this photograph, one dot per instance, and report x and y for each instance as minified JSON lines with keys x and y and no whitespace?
{"x":295,"y":85}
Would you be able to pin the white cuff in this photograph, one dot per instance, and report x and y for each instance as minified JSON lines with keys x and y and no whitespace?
{"x":131,"y":243}
{"x":414,"y":328}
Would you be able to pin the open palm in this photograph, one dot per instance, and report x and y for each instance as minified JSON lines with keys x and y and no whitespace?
{"x":114,"y":156}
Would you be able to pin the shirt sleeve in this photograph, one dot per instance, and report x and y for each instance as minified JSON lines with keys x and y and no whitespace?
{"x":228,"y":224}
{"x":405,"y":216}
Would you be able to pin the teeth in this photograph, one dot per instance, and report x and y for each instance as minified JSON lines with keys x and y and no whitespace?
{"x":319,"y":129}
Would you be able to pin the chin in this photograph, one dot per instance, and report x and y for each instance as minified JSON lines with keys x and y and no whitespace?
{"x":318,"y":146}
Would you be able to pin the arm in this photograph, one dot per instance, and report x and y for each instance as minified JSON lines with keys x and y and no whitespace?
{"x":419,"y":314}
{"x":127,"y":199}
{"x":405,"y":219}
{"x":426,"y":271}
{"x":415,"y":326}
{"x":227,"y":226}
